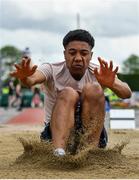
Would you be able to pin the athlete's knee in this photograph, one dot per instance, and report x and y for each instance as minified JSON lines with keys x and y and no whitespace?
{"x":68,"y":94}
{"x":93,"y":92}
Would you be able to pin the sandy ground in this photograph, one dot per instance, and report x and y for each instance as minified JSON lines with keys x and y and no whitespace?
{"x":22,"y":155}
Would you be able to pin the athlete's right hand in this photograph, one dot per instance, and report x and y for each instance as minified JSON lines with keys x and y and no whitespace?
{"x":24,"y":69}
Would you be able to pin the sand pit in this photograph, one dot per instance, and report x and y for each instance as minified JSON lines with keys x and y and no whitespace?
{"x":22,"y":155}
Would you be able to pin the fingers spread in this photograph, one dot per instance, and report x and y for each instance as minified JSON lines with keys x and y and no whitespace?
{"x":101,"y":62}
{"x":28,"y":62}
{"x":23,"y":62}
{"x":34,"y":68}
{"x":99,"y":58}
{"x":105,"y":64}
{"x":13,"y":73}
{"x":17,"y":66}
{"x":116,"y":70}
{"x":111,"y":65}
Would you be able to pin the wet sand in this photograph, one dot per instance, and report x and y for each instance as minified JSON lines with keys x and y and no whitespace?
{"x":23,"y":156}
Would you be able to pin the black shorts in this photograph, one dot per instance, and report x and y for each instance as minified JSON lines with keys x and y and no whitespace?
{"x":47,"y":135}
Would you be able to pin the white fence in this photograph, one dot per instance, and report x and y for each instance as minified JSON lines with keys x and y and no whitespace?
{"x":121,"y":119}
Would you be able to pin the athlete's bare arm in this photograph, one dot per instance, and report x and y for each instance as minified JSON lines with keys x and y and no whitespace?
{"x":107,"y":77}
{"x":27,"y":73}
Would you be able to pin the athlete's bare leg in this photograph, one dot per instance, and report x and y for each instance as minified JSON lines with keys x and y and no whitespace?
{"x":63,"y":116}
{"x":93,"y":111}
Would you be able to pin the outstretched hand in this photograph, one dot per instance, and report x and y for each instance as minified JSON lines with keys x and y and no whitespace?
{"x":24,"y":69}
{"x":106,"y":74}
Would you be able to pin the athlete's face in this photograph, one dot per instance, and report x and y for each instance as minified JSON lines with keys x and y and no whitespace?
{"x":77,"y":55}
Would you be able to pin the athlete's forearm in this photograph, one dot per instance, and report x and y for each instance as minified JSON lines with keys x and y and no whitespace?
{"x":121,"y":89}
{"x":37,"y":78}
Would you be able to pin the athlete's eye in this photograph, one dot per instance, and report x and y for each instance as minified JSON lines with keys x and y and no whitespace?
{"x":72,"y":53}
{"x":84,"y":53}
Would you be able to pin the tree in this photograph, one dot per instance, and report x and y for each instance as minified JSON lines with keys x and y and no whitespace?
{"x":131,"y":65}
{"x":11,"y":53}
{"x":8,"y":56}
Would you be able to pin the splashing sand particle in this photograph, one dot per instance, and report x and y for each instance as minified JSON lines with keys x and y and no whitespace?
{"x":41,"y":154}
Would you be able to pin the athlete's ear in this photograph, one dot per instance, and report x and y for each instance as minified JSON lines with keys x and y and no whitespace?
{"x":64,"y":52}
{"x":91,"y":54}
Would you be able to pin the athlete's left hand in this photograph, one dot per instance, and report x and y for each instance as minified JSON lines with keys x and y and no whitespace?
{"x":106,"y":74}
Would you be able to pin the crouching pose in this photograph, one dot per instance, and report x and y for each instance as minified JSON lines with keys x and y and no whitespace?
{"x":71,"y":85}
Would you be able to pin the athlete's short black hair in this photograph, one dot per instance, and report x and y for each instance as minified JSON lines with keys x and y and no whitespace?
{"x":79,"y":35}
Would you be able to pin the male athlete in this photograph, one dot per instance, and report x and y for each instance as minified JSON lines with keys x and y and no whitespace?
{"x":70,"y":82}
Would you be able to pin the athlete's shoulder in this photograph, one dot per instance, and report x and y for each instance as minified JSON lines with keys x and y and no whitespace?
{"x":60,"y":63}
{"x":92,"y":66}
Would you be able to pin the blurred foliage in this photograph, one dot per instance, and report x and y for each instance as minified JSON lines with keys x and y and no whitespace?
{"x":131,"y":79}
{"x":131,"y":65}
{"x":130,"y":72}
{"x":9,"y":55}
